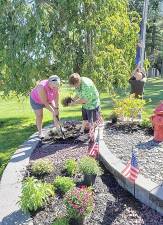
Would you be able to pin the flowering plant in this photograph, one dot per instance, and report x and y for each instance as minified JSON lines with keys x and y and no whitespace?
{"x":79,"y":202}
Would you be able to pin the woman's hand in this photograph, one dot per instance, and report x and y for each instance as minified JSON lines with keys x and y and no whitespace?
{"x":78,"y":101}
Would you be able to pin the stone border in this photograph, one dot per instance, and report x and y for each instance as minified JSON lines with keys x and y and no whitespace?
{"x":146,"y":191}
{"x":11,"y":184}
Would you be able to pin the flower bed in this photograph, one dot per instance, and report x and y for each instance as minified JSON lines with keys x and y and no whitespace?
{"x":112,"y":204}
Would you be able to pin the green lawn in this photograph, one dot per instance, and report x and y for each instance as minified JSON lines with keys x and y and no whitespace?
{"x":17,"y":118}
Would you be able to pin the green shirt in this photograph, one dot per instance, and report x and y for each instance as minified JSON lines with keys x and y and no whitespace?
{"x":88,"y":92}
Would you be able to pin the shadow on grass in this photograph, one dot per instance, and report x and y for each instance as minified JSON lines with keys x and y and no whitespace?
{"x":13,"y":132}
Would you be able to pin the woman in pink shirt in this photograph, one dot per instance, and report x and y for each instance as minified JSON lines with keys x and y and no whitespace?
{"x":46,"y":95}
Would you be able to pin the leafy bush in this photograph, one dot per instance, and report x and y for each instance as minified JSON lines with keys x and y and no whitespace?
{"x":61,"y":221}
{"x":129,"y":107}
{"x":71,"y":166}
{"x":79,"y":202}
{"x":146,"y":123}
{"x":42,"y":167}
{"x":63,"y":184}
{"x":34,"y":194}
{"x":88,"y":165}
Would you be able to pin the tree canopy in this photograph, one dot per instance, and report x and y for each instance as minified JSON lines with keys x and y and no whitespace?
{"x":44,"y":37}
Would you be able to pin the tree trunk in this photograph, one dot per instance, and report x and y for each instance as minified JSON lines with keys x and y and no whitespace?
{"x":153,"y":37}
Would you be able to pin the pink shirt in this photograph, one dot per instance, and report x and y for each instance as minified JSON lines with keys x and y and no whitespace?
{"x":50,"y":93}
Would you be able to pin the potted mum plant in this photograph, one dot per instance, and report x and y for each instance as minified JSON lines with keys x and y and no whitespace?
{"x":90,"y":168}
{"x":79,"y":204}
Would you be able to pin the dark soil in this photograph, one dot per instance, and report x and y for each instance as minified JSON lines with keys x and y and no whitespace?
{"x":71,"y":135}
{"x":113,"y":205}
{"x":129,"y":127}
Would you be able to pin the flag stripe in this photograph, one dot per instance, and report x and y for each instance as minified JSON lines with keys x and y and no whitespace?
{"x":131,"y":170}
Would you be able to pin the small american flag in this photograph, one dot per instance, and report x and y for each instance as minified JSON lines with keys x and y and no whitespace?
{"x":94,"y":150}
{"x":131,"y":170}
{"x":91,"y":132}
{"x":100,"y":120}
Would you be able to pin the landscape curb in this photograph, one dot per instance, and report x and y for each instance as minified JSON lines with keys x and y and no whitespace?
{"x":11,"y":184}
{"x":145,"y":190}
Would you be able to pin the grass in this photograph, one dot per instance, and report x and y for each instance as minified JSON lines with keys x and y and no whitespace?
{"x":17,"y":118}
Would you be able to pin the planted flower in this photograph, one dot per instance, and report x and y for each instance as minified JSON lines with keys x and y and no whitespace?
{"x":79,"y":203}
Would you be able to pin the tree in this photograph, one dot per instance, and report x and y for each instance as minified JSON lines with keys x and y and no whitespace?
{"x":40,"y":38}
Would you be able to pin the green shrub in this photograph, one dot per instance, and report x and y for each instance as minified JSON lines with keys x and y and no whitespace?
{"x":129,"y":107}
{"x":146,"y":123}
{"x":88,"y":165}
{"x":63,"y":184}
{"x":34,"y":194}
{"x":61,"y":221}
{"x":71,"y":166}
{"x":42,"y":167}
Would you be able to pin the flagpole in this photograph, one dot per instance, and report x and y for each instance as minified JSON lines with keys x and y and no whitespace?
{"x":144,"y":20}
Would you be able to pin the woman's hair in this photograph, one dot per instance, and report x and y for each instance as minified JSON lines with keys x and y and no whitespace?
{"x":139,"y":70}
{"x":74,"y":79}
{"x":54,"y":79}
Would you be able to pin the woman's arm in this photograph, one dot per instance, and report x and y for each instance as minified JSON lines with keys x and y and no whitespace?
{"x":57,"y":100}
{"x":76,"y":100}
{"x":43,"y":97}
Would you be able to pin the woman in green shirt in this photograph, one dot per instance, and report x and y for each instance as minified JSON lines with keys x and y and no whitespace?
{"x":87,"y":95}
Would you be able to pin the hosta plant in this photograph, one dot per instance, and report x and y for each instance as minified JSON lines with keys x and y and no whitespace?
{"x":34,"y":194}
{"x":71,"y":166}
{"x":63,"y":184}
{"x":42,"y":167}
{"x":79,"y":202}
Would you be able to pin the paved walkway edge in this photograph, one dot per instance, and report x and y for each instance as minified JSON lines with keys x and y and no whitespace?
{"x":11,"y":184}
{"x":144,"y":189}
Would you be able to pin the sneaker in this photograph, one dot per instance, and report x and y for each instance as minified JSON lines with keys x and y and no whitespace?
{"x":58,"y":131}
{"x":63,"y":129}
{"x":41,"y":136}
